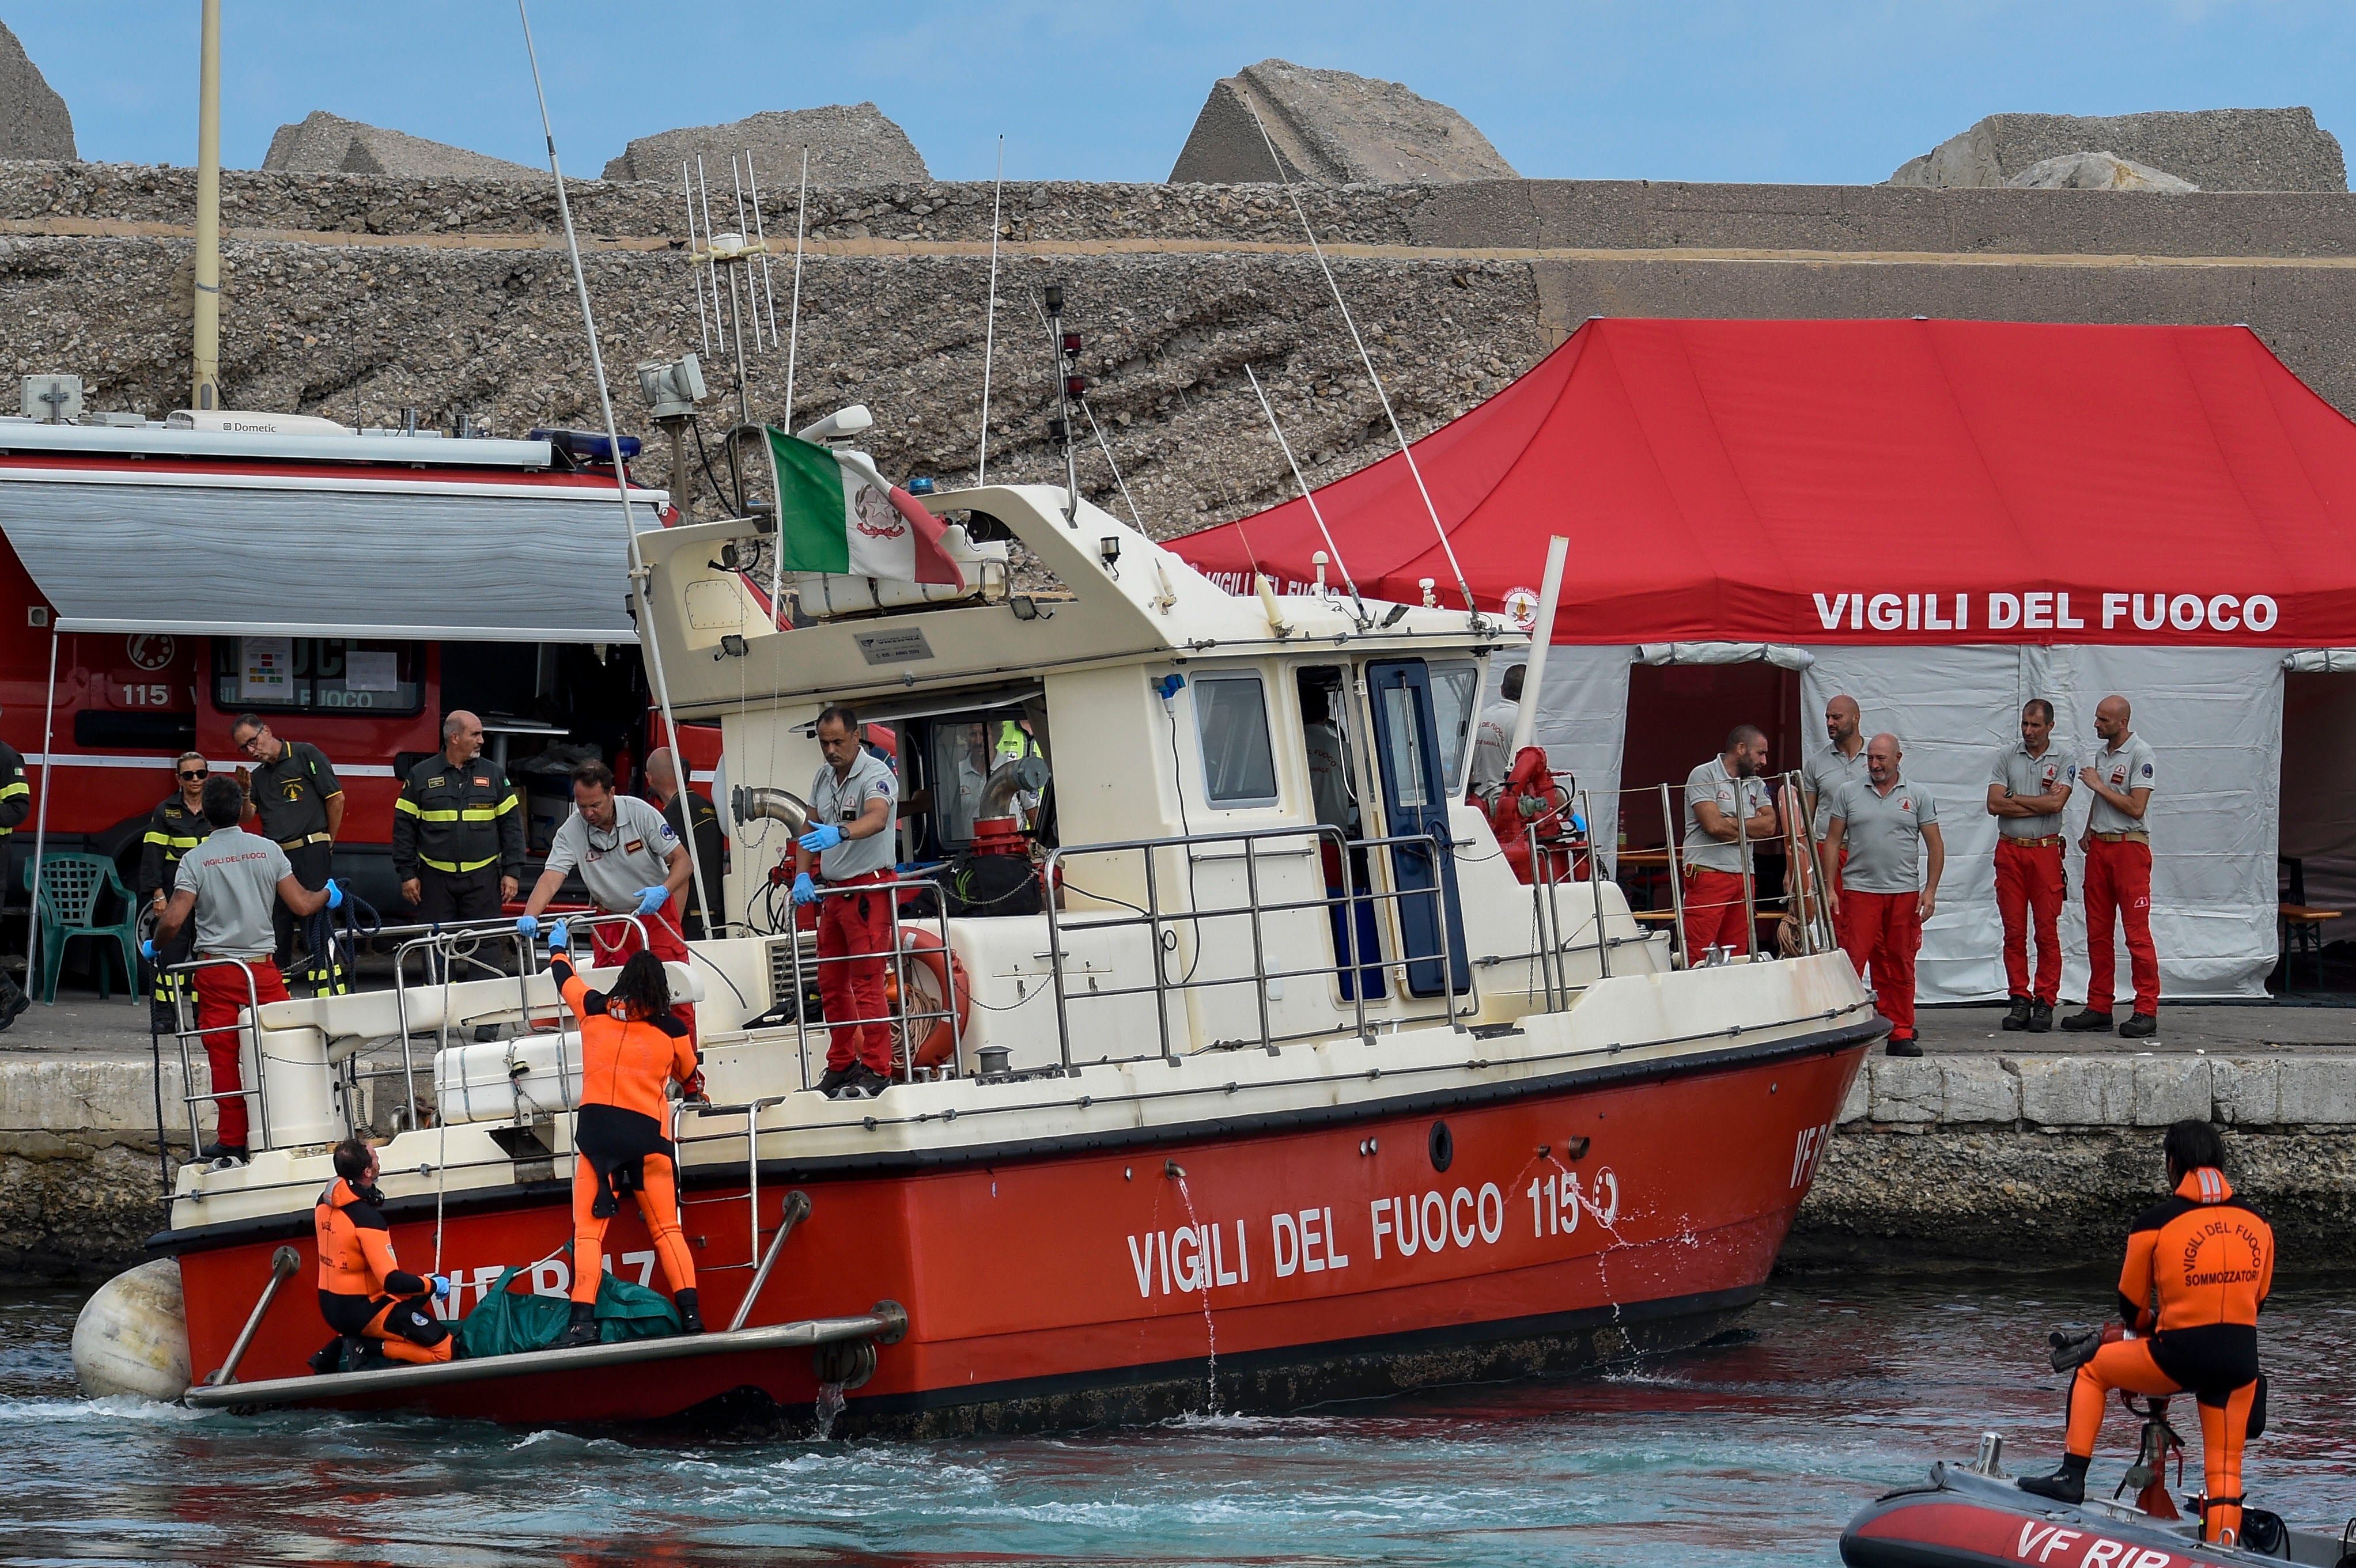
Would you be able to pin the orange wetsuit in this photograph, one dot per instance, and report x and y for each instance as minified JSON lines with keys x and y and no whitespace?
{"x":2210,"y":1261}
{"x":364,"y":1293}
{"x":619,"y":1131}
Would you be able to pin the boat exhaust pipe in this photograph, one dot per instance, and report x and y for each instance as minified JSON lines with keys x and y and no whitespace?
{"x":749,"y":801}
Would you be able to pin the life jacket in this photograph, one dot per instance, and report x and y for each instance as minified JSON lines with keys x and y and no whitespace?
{"x":2209,"y":1260}
{"x":356,"y":1254}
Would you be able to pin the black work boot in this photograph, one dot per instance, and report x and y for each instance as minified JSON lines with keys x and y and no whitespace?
{"x":2086,"y":1018}
{"x":2139,"y":1026}
{"x":2066,"y":1485}
{"x":691,"y":1318}
{"x":2017,"y":1018}
{"x":581,"y":1331}
{"x":1903,"y":1045}
{"x":2040,"y":1017}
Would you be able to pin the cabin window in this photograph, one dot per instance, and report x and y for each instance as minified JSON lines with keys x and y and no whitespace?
{"x":319,"y":674}
{"x":1231,"y":716}
{"x":1455,"y":705}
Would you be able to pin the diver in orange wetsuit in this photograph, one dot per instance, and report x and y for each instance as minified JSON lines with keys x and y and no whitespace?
{"x":364,"y":1293}
{"x":633,"y":1046}
{"x":2210,"y":1261}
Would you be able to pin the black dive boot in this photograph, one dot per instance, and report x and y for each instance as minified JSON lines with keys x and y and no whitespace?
{"x":581,"y":1331}
{"x":691,"y":1320}
{"x":2066,"y":1485}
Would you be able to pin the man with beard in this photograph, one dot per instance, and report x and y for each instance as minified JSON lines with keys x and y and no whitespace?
{"x":1728,"y":809}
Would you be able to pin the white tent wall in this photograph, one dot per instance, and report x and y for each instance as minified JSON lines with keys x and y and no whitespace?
{"x":2213,"y":715}
{"x":1582,"y":722}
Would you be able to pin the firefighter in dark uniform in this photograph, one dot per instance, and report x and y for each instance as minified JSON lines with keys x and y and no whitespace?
{"x":174,"y":827}
{"x":299,"y":805}
{"x":15,"y":805}
{"x":457,"y":830}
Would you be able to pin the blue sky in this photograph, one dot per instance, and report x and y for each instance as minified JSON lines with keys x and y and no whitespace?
{"x":1801,"y":91}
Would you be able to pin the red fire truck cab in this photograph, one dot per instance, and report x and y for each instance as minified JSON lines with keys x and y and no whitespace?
{"x":349,"y":588}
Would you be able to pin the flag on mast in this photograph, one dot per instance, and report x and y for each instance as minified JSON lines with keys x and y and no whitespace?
{"x":836,"y":514}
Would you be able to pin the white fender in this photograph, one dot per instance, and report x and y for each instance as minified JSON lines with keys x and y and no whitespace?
{"x":132,"y":1335}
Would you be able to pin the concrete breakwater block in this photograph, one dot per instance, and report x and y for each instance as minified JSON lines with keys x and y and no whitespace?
{"x":330,"y":143}
{"x":848,"y":145}
{"x":1332,"y":127}
{"x":34,"y":121}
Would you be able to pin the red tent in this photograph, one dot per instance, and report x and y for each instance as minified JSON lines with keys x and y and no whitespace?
{"x":1900,"y":482}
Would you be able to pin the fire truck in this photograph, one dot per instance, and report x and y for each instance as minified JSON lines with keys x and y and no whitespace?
{"x":351,"y":587}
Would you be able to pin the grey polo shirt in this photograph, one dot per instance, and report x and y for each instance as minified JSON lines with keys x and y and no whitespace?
{"x":1711,"y":782}
{"x":2127,"y":770}
{"x":2022,"y":774}
{"x":615,"y":864}
{"x":235,"y":876}
{"x":1824,"y":773}
{"x":1883,"y":836}
{"x":840,"y":802}
{"x":1493,"y":742}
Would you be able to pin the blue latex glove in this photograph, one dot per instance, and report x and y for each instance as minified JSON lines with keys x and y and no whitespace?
{"x":441,"y":1287}
{"x":823,"y":838}
{"x":652,"y":898}
{"x":148,"y":950}
{"x":335,"y":893}
{"x":559,"y":936}
{"x":805,"y":891}
{"x":527,"y":926}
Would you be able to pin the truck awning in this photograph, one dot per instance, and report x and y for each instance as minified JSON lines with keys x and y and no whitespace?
{"x":325,"y":555}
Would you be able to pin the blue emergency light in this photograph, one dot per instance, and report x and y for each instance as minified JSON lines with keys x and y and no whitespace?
{"x":587,"y":445}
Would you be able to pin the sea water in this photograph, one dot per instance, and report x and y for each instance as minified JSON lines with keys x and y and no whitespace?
{"x":1751,"y":1450}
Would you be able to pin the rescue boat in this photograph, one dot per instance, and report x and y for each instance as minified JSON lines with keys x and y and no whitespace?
{"x":1215,"y":1090}
{"x":1973,"y":1516}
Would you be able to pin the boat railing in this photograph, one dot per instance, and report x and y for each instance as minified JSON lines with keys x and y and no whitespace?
{"x":1352,"y":970}
{"x":1799,"y":901}
{"x":187,"y":1032}
{"x":910,"y":1026}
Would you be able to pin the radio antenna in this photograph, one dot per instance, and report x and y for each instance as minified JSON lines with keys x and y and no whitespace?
{"x":687,"y":188}
{"x":990,"y":316}
{"x":793,"y":342}
{"x":1309,"y":495}
{"x":643,"y":607}
{"x":1367,"y":360}
{"x":761,"y":239}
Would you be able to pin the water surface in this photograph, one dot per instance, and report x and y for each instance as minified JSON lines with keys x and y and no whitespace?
{"x":1752,"y":1451}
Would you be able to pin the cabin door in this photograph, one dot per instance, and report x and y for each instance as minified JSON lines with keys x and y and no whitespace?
{"x":1415,"y":801}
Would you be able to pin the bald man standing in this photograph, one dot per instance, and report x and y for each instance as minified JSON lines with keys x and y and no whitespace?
{"x":2118,"y":873}
{"x":1881,"y":901}
{"x":457,"y":829}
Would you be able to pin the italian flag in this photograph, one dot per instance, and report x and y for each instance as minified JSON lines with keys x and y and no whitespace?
{"x":836,"y":514}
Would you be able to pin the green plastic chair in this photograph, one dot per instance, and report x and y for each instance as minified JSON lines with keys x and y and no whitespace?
{"x":71,"y":886}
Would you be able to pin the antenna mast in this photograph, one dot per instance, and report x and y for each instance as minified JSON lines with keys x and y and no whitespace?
{"x":990,"y":316}
{"x":1367,"y":360}
{"x":205,"y":317}
{"x":1364,"y":619}
{"x":793,"y":342}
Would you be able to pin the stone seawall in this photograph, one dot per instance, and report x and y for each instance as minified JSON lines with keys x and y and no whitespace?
{"x":2040,"y":1161}
{"x":356,"y":295}
{"x":2026,"y":1162}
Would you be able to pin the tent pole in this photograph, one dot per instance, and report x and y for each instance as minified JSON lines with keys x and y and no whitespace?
{"x":646,"y":610}
{"x":42,"y":824}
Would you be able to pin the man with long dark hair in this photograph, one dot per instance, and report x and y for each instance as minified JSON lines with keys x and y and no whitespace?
{"x":633,"y":1047}
{"x":2197,"y":1270}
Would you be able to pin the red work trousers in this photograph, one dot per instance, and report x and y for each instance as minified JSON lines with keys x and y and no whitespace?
{"x":221,"y":998}
{"x":611,"y":944}
{"x":2028,"y":883}
{"x":855,"y":934}
{"x":1714,"y":913}
{"x":1882,"y":932}
{"x":2118,"y":882}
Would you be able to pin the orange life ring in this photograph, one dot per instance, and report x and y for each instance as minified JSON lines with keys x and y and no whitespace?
{"x":944,"y":976}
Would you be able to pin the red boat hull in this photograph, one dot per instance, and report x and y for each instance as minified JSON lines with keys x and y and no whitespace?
{"x":1533,"y":1227}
